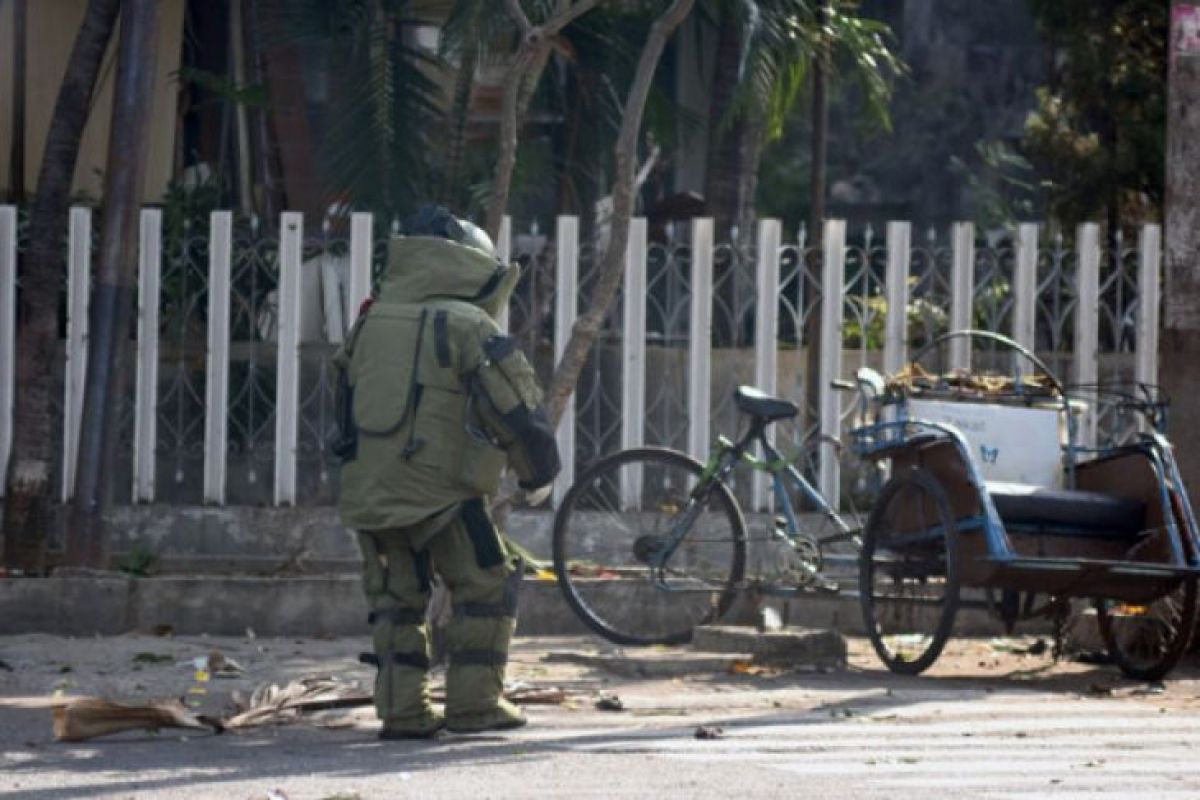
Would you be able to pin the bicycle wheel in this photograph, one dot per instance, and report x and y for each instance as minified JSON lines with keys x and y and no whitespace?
{"x":908,"y":574}
{"x":1147,"y":641}
{"x":616,"y":523}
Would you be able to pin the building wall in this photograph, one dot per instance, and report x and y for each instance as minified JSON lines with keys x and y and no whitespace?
{"x":52,"y":25}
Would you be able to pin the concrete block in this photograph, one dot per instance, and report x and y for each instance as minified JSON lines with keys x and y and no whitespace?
{"x":791,"y":646}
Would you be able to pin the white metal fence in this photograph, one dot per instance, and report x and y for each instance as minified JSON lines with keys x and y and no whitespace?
{"x":236,"y":323}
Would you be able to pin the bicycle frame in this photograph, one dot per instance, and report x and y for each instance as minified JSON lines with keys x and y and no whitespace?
{"x":727,"y":456}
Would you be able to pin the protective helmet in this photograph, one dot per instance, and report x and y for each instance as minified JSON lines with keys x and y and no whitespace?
{"x":475,"y":236}
{"x":433,"y":220}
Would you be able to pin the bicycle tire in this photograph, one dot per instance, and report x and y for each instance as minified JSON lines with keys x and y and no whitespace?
{"x":915,"y":562}
{"x":601,"y":548}
{"x":1166,"y":647}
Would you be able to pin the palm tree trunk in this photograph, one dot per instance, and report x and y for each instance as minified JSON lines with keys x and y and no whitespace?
{"x":726,"y":135}
{"x":112,"y":297}
{"x":28,"y":495}
{"x":1180,"y":367}
{"x":16,"y":171}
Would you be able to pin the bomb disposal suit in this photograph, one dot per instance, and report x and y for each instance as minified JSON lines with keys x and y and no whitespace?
{"x":442,"y":401}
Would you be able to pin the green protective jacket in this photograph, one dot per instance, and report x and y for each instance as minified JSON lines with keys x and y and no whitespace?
{"x":441,"y":400}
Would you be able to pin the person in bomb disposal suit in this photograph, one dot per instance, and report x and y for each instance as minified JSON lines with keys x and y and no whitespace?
{"x":436,"y":402}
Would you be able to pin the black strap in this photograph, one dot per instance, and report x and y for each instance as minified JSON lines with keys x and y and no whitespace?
{"x":478,"y":658}
{"x":441,"y":338}
{"x":414,"y":392}
{"x":482,"y":610}
{"x":397,"y":616}
{"x":416,"y":660}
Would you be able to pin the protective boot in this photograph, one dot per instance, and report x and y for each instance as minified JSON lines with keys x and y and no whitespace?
{"x":479,"y":639}
{"x":483,"y":580}
{"x":397,"y":586}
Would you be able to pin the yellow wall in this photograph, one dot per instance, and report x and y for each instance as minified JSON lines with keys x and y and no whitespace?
{"x":51,"y":34}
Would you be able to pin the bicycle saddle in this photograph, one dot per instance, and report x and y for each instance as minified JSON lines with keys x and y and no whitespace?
{"x":762,"y":405}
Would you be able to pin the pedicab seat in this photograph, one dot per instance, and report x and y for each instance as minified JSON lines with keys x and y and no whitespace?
{"x":1067,"y":511}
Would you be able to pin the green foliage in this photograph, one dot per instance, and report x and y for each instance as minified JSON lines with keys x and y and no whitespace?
{"x":1098,"y":132}
{"x":138,"y":562}
{"x":1002,"y":183}
{"x":922,"y":318}
{"x":785,"y":37}
{"x":386,"y":101}
{"x":251,"y":95}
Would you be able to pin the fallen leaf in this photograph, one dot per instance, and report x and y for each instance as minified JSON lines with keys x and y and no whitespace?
{"x":88,"y":717}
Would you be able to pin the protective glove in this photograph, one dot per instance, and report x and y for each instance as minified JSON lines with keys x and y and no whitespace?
{"x":535,"y":497}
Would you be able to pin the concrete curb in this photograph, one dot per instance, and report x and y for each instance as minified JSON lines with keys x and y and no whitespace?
{"x":84,"y":603}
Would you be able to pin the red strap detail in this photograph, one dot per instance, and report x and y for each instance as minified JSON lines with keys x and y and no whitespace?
{"x":366,"y":306}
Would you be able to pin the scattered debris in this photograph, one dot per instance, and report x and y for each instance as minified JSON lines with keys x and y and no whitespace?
{"x":709,"y":732}
{"x":536,"y":695}
{"x":1100,"y":690}
{"x":152,"y":658}
{"x":89,"y":717}
{"x":222,"y":666}
{"x":271,"y":705}
{"x":1036,"y":648}
{"x":277,"y":794}
{"x":609,"y":702}
{"x":1154,"y":687}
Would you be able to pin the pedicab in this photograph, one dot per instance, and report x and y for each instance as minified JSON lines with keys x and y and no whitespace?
{"x":1003,"y":495}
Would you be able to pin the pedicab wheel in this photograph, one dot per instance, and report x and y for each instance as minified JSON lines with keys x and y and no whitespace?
{"x":908,"y":573}
{"x":640,"y":555}
{"x":1146,"y":641}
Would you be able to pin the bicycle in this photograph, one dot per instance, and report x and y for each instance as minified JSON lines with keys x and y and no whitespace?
{"x":649,"y":543}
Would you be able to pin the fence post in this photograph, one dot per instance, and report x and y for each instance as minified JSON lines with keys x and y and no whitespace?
{"x":633,"y":359}
{"x":766,"y":335}
{"x":1025,"y":285}
{"x":361,"y":245}
{"x":962,"y":291}
{"x":145,"y":413}
{"x":216,"y":391}
{"x":566,"y":308}
{"x":1087,"y":318}
{"x":79,"y":289}
{"x":287,"y":356}
{"x":8,"y":334}
{"x":899,"y":259}
{"x":1149,"y":291}
{"x":700,"y":339}
{"x":833,"y":278}
{"x":504,"y":255}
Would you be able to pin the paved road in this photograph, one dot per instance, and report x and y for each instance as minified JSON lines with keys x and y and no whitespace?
{"x":987,"y":724}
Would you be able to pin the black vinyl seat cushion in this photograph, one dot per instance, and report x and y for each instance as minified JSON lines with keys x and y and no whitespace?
{"x":1066,"y":509}
{"x":762,"y":405}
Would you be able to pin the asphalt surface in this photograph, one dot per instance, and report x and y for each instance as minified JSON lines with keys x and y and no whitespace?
{"x":988,"y":721}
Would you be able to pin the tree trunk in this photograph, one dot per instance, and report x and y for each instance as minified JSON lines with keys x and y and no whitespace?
{"x":587,"y":326}
{"x":16,"y":171}
{"x":727,"y":135}
{"x":28,"y":495}
{"x":1180,"y":353}
{"x":112,"y":297}
{"x":816,"y":228}
{"x":520,"y":80}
